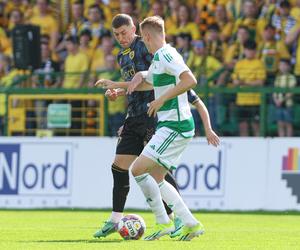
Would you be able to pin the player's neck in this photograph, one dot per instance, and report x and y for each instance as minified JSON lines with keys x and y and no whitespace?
{"x":157,"y":44}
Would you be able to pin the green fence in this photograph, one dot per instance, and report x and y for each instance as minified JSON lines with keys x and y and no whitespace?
{"x":266,"y":126}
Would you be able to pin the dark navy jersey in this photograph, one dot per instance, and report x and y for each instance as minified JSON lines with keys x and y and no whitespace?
{"x":132,"y":60}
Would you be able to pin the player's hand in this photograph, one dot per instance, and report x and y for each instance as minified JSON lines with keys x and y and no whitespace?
{"x":154,"y":106}
{"x":212,"y":138}
{"x":105,"y":83}
{"x":136,"y":81}
{"x":111,"y":94}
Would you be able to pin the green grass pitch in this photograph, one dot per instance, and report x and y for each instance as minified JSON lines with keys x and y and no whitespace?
{"x":67,"y":229}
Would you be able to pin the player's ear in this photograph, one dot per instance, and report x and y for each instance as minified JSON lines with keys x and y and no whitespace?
{"x":148,"y":36}
{"x":134,"y":29}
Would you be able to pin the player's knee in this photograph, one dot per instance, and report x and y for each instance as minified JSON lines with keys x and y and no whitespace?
{"x":121,"y":165}
{"x":134,"y":171}
{"x":137,"y":170}
{"x":120,"y":176}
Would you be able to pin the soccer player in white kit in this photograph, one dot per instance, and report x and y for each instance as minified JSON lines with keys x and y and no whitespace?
{"x":171,"y":78}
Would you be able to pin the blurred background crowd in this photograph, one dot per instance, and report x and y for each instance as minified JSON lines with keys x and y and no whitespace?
{"x":226,"y":43}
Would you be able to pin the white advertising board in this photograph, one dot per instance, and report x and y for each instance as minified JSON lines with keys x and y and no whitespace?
{"x":241,"y":174}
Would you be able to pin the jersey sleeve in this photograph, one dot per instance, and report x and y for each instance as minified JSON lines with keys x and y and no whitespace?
{"x":149,"y":76}
{"x":192,"y":96}
{"x":174,"y":64}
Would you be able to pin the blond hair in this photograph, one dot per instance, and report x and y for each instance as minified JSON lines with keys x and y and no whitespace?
{"x":153,"y":23}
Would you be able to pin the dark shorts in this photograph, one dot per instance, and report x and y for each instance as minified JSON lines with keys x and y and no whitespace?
{"x":137,"y":131}
{"x":248,"y":113}
{"x":284,"y":115}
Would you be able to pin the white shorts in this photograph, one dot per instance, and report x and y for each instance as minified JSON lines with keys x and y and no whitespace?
{"x":166,"y":147}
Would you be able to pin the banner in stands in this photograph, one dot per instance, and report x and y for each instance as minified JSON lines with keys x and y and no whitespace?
{"x":241,"y":174}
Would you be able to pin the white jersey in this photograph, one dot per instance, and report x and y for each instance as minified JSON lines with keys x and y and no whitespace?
{"x":164,"y":72}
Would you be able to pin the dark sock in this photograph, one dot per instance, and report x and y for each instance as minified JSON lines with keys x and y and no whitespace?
{"x":169,"y":178}
{"x":120,"y":189}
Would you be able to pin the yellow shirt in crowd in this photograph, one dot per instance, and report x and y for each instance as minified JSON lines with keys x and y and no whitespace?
{"x":74,"y":64}
{"x":47,"y":23}
{"x":98,"y":58}
{"x":297,"y":64}
{"x":205,"y":66}
{"x":190,"y":28}
{"x":271,"y":52}
{"x":248,"y":71}
{"x":295,"y":13}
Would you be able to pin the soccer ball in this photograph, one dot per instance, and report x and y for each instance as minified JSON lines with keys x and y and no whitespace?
{"x":131,"y":227}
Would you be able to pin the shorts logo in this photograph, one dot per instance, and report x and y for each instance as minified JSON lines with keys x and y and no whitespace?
{"x":291,"y":171}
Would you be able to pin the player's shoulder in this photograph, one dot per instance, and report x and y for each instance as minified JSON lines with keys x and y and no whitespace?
{"x":168,"y":54}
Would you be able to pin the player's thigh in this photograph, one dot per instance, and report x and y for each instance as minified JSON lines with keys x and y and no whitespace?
{"x":124,"y":161}
{"x":142,"y":165}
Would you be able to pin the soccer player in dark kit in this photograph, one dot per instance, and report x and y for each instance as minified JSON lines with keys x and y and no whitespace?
{"x":138,"y":127}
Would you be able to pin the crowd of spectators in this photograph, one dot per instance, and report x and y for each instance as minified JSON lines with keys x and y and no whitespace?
{"x":224,"y":42}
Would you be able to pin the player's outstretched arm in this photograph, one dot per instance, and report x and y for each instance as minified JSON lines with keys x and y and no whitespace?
{"x":211,"y":136}
{"x":108,"y":84}
{"x":187,"y":81}
{"x":139,"y":83}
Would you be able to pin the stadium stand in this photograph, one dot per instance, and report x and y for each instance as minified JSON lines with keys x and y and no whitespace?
{"x":253,"y":95}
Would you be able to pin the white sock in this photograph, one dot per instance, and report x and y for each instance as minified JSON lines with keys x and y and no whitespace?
{"x":151,"y":192}
{"x":173,"y":199}
{"x":116,"y":217}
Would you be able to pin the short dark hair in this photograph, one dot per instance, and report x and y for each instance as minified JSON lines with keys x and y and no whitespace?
{"x":86,"y":32}
{"x":105,"y":33}
{"x":250,"y":44}
{"x":73,"y":39}
{"x":100,"y":10}
{"x":285,"y":4}
{"x":78,"y":2}
{"x":214,"y":27}
{"x":45,"y":38}
{"x":243,"y":27}
{"x":285,"y":60}
{"x":120,"y":20}
{"x":186,"y":36}
{"x":270,"y":26}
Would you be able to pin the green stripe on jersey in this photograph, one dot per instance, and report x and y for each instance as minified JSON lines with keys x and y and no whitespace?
{"x":169,"y":57}
{"x":179,"y":126}
{"x":170,"y":104}
{"x":156,"y":57}
{"x":164,"y":79}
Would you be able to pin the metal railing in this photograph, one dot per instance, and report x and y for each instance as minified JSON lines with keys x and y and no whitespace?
{"x":15,"y":92}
